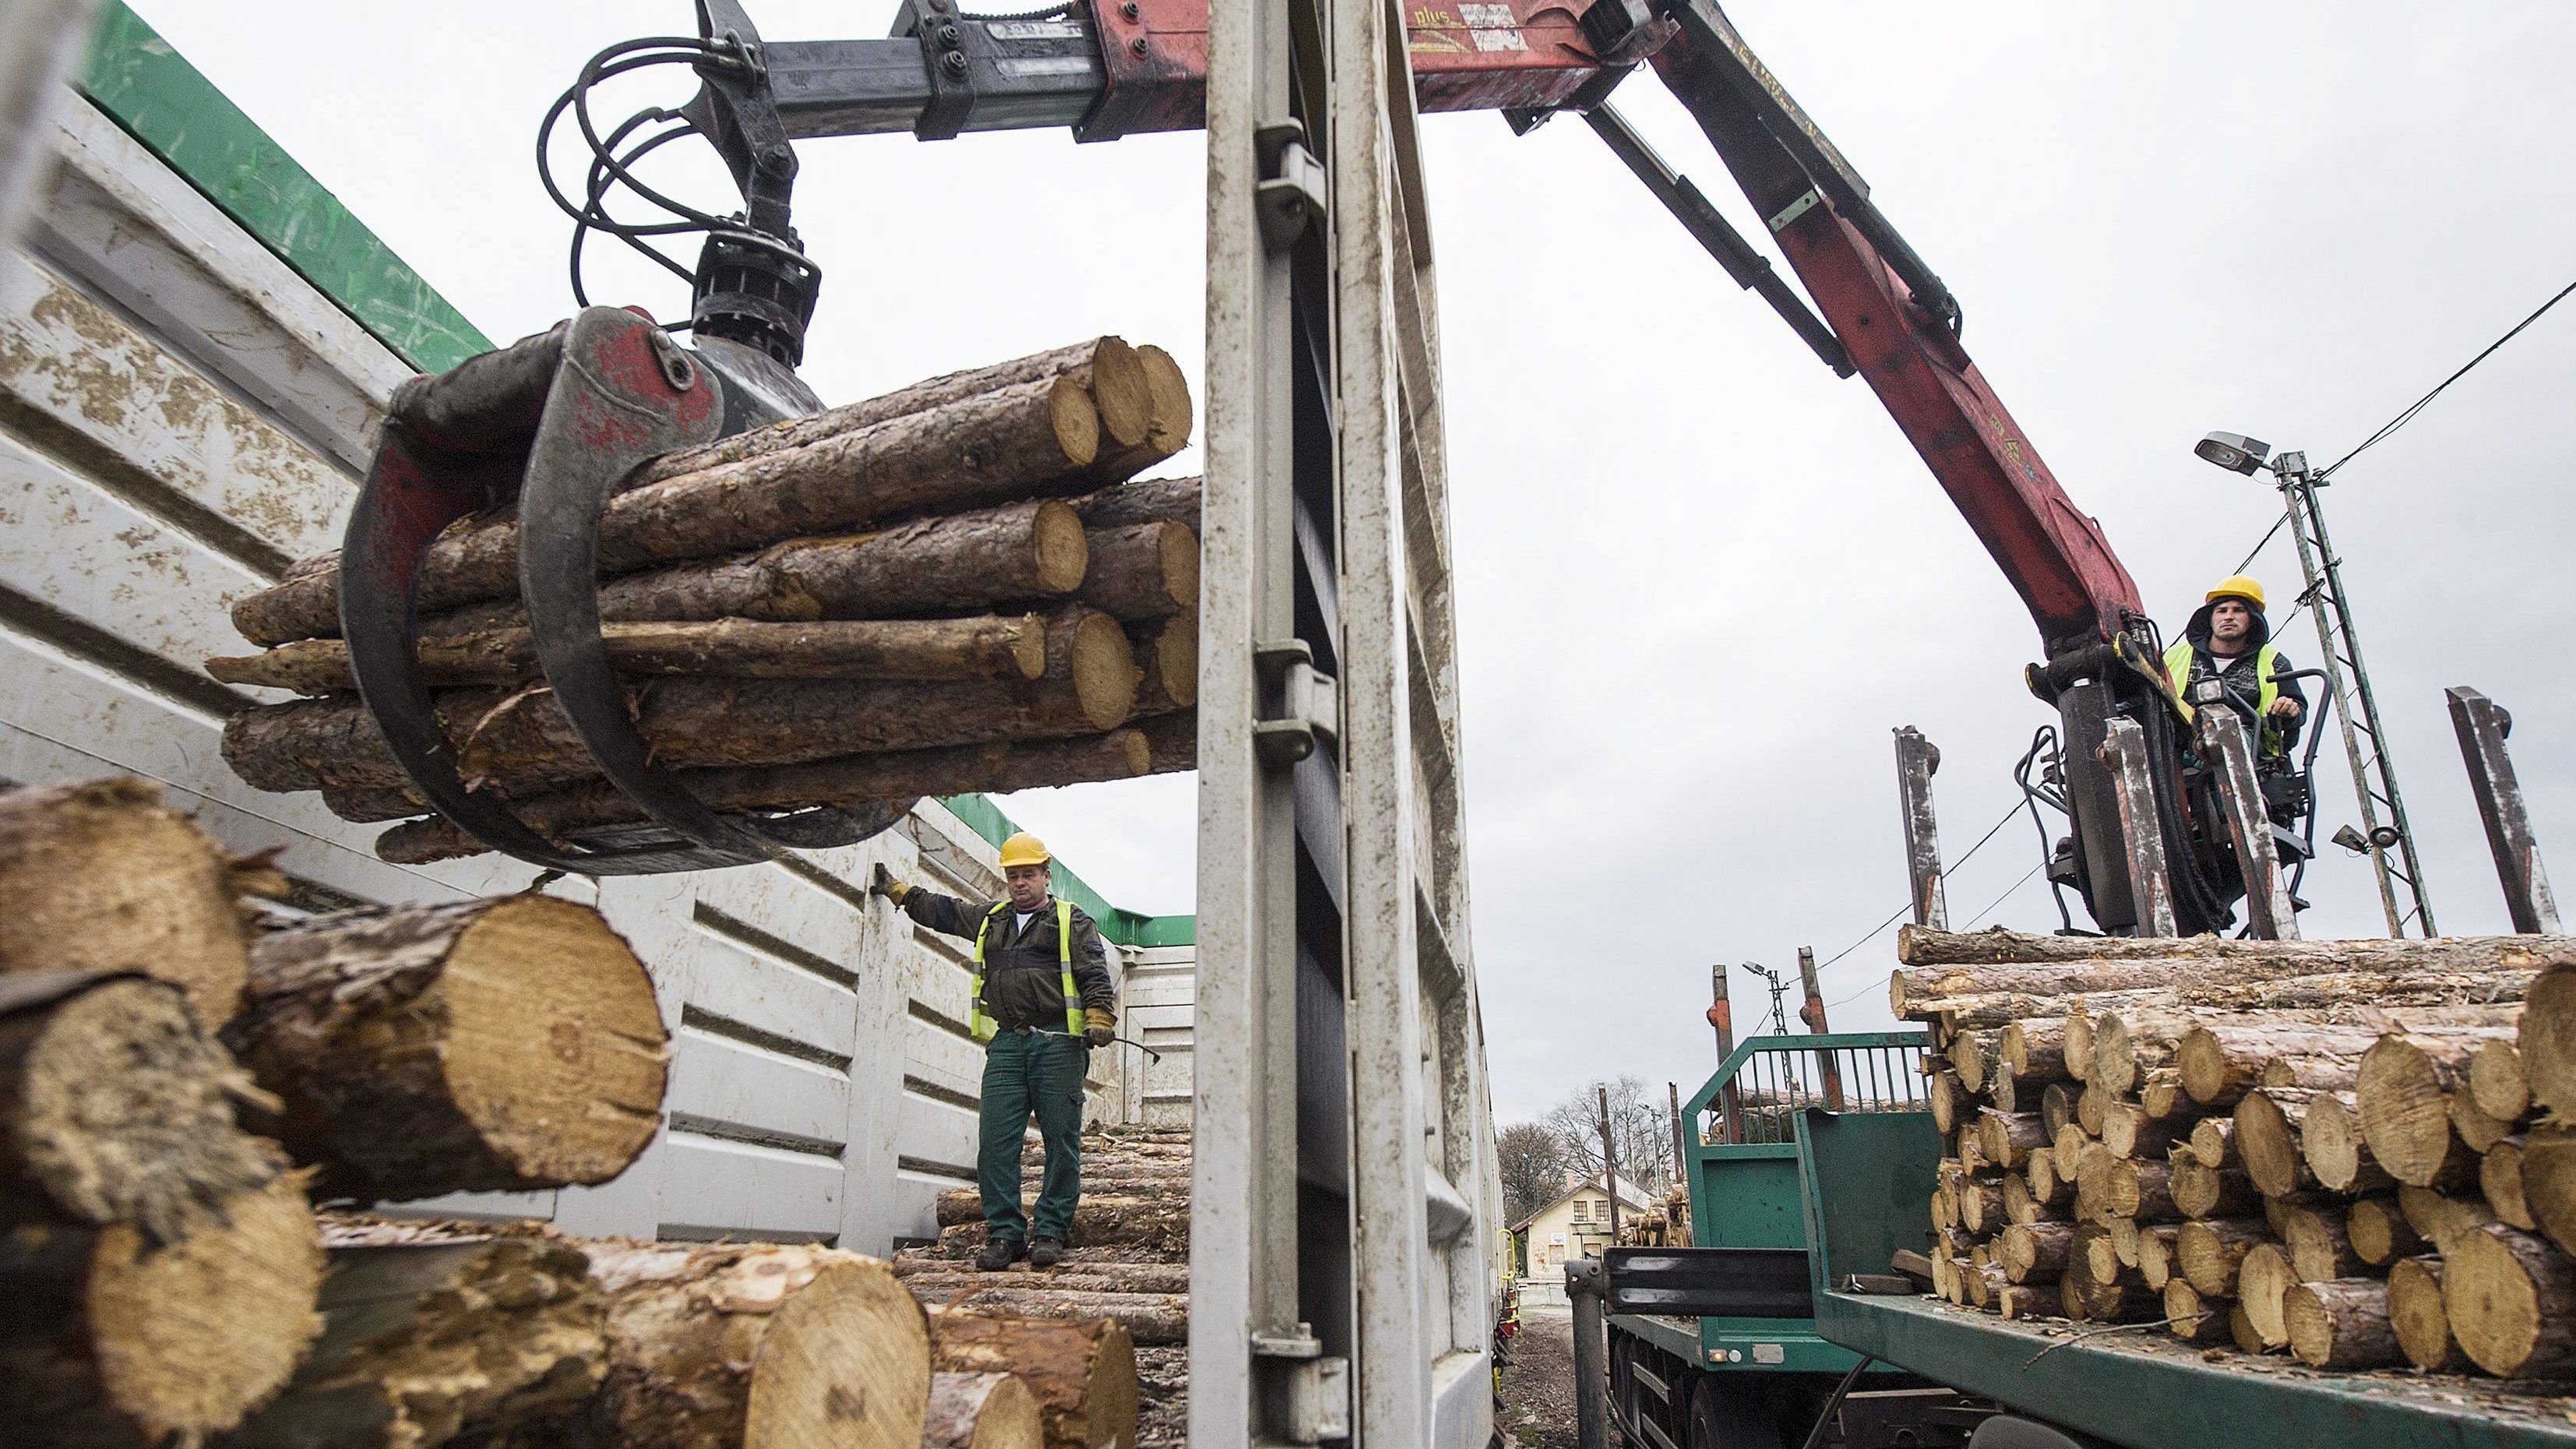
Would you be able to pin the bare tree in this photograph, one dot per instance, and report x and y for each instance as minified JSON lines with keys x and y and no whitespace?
{"x":1641,"y":1134}
{"x":1533,"y":1168}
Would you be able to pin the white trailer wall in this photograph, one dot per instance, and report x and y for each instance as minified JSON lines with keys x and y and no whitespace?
{"x":181,"y":414}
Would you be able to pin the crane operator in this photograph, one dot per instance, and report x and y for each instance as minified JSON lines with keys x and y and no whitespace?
{"x":2230,"y":640}
{"x":1042,"y":999}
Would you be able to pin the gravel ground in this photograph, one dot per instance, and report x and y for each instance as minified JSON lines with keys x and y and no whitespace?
{"x":1538,"y":1388}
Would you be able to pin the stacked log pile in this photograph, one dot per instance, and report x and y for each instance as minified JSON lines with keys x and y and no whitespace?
{"x":1128,"y":1265}
{"x":957,"y":587}
{"x":2352,"y":1152}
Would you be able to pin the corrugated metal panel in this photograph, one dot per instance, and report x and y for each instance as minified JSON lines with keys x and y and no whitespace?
{"x":180,"y":412}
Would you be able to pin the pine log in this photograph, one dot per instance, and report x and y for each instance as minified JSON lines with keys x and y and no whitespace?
{"x":2331,"y":1144}
{"x":112,"y":1340}
{"x":490,"y":1045}
{"x":2156,"y":1254}
{"x":981,"y":1411}
{"x":2048,"y":1191}
{"x":2200,"y":1191}
{"x":1082,"y":1372}
{"x":2191,"y":1317}
{"x":2417,"y":1319}
{"x":116,"y":1108}
{"x":2437,"y":1219}
{"x":2546,"y":1042}
{"x":2500,"y":1183}
{"x":1948,"y":1101}
{"x":761,"y":1346}
{"x":2056,"y":1107}
{"x":1917,"y":946}
{"x":1149,"y":1318}
{"x":1971,"y":1054}
{"x":521,"y":742}
{"x":2035,"y":1250}
{"x":1981,"y":1206}
{"x":2091,"y":1106}
{"x":1945,"y":1203}
{"x":102,"y":875}
{"x":2267,"y":1138}
{"x":2125,"y":1237}
{"x":1167,"y":431}
{"x":2028,"y":1300}
{"x":999,"y":768}
{"x":1142,"y":570}
{"x":2223,"y":1060}
{"x":2403,"y":1098}
{"x":1107,"y":368}
{"x":2035,"y":1048}
{"x":2075,"y":1041}
{"x":2127,"y":1131}
{"x":2018,"y":1205}
{"x":2240,"y":1330}
{"x":1167,"y":654}
{"x":981,"y":647}
{"x":1945,"y":1271}
{"x":2091,"y":1296}
{"x":2127,"y":1045}
{"x":2225,"y":987}
{"x":2379,"y":1232}
{"x":2318,"y":1245}
{"x":947,"y":564}
{"x":1143,"y":500}
{"x":2138,"y":1190}
{"x":2477,"y":1131}
{"x":426,"y":1333}
{"x":2263,"y":1280}
{"x":2161,"y":1097}
{"x":992,"y":448}
{"x":2067,"y":1148}
{"x":2548,"y":1180}
{"x":939,"y":1277}
{"x":2213,"y":1141}
{"x":1985,"y":1286}
{"x":2208,"y":1253}
{"x":2511,"y":1300}
{"x":2497,"y":1083}
{"x":1160,"y":1224}
{"x":2340,"y":1323}
{"x":2008,"y":1138}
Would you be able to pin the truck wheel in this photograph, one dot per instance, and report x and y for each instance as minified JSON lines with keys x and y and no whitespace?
{"x":1725,"y":1417}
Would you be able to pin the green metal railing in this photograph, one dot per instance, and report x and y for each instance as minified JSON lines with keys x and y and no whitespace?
{"x":1767,"y":1081}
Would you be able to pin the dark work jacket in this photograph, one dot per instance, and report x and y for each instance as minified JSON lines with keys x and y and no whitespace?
{"x":1023,"y":985}
{"x":2241,"y":677}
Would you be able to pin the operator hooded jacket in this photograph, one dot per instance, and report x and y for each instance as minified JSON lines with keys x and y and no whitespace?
{"x":1023,"y":977}
{"x":2273,"y":736}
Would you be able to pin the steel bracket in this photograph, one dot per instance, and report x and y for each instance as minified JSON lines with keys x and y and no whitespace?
{"x":1309,"y":703}
{"x":944,"y":35}
{"x":1291,"y":194}
{"x":1319,"y":1385}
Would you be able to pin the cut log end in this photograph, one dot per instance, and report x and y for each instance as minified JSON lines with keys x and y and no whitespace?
{"x":981,"y":1411}
{"x":102,"y":875}
{"x":2511,"y":1301}
{"x":1082,"y":1373}
{"x":2416,"y":1316}
{"x":846,"y":1360}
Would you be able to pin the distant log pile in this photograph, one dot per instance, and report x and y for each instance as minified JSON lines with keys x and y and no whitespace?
{"x":2348,"y":1151}
{"x":956,"y":587}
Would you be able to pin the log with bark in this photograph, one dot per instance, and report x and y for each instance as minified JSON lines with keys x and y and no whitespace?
{"x":1142,"y":570}
{"x":2266,"y":1138}
{"x":488,"y":1045}
{"x":2379,"y":1232}
{"x":981,"y":1411}
{"x":2340,"y":1323}
{"x":1149,"y":1318}
{"x":997,"y":768}
{"x":2417,"y":1319}
{"x":520,"y":742}
{"x":2511,"y":1300}
{"x":942,"y":1278}
{"x":997,"y":447}
{"x":2497,"y":1082}
{"x":1143,"y":500}
{"x":2263,"y":1281}
{"x":2546,"y":1043}
{"x":2403,"y":1099}
{"x":1099,"y":1220}
{"x":2544,"y":1174}
{"x":103,"y":875}
{"x":2209,"y":1253}
{"x":1082,"y":1372}
{"x":1167,"y":659}
{"x":2331,"y":1144}
{"x":1917,"y":946}
{"x":431,"y":1333}
{"x":753,"y":1346}
{"x":2191,"y":1316}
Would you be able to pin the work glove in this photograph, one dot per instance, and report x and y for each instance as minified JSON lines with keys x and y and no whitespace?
{"x":881,"y":882}
{"x":1099,"y":1026}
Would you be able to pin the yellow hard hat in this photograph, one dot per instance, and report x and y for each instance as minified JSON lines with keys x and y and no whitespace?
{"x":2241,"y":586}
{"x":1024,"y":849}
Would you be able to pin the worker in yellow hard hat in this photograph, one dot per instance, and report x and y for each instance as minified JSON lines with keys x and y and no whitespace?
{"x":1041,"y":1000}
{"x":2230,"y":641}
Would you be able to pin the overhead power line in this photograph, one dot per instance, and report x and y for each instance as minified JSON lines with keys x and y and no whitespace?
{"x":1892,"y":916}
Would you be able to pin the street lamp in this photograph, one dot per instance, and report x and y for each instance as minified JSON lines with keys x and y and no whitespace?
{"x":2374,"y":778}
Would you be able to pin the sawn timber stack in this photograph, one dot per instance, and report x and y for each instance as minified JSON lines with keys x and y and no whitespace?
{"x":2349,"y":1151}
{"x":956,"y":587}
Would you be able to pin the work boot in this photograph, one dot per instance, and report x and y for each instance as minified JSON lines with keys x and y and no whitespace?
{"x":999,"y":1253}
{"x":1046,"y":1252}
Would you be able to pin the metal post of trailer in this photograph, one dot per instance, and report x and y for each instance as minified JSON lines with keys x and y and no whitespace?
{"x":2124,"y":754}
{"x":1721,"y":1015}
{"x":1812,"y":1012}
{"x":1609,"y":1160}
{"x":1916,"y":760}
{"x":2224,"y":743}
{"x":2482,"y":728}
{"x":1345,"y":1171}
{"x":1587,"y":1287}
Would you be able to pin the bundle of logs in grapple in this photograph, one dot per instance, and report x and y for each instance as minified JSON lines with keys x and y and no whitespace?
{"x":956,"y":587}
{"x":2355,"y":1151}
{"x":183,"y":1083}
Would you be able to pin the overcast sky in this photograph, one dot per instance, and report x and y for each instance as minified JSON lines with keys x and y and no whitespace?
{"x":1701,"y":579}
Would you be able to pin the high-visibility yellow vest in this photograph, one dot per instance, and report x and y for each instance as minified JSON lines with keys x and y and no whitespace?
{"x":981,"y":1026}
{"x":2178,"y":669}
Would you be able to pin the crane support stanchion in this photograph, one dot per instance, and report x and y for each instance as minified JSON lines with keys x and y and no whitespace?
{"x":1828,"y":1071}
{"x":1721,"y":1015}
{"x":2124,"y":754}
{"x":1917,"y":759}
{"x":1587,"y":1287}
{"x":2482,"y":727}
{"x":2223,"y":743}
{"x":1681,"y":1135}
{"x":1609,"y":1161}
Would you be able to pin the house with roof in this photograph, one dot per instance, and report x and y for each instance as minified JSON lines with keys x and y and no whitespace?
{"x":1575,"y":1225}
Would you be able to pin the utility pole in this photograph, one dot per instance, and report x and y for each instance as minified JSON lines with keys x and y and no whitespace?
{"x":2374,"y":778}
{"x":1610,"y":1163}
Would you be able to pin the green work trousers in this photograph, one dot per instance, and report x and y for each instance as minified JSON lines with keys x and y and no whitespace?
{"x":1027,"y":1075}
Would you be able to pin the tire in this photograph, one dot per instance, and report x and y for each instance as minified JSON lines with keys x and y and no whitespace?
{"x":1727,"y":1416}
